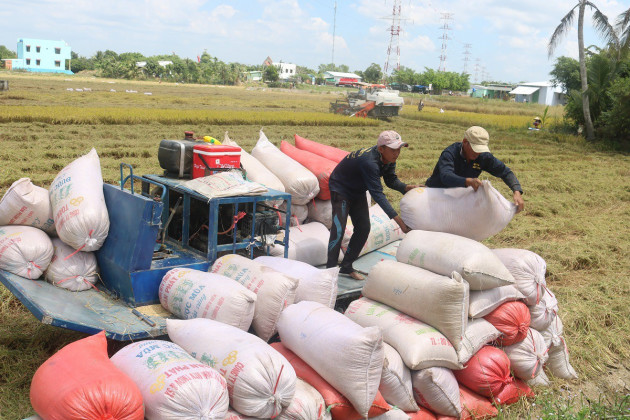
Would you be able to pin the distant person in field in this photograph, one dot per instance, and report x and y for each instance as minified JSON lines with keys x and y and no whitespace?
{"x":358,"y":172}
{"x":461,"y":163}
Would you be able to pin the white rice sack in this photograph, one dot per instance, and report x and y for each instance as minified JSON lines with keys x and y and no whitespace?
{"x":395,"y":384}
{"x":173,"y":384}
{"x":78,"y":204}
{"x":317,"y":285}
{"x":464,"y":212}
{"x":320,"y":335}
{"x":260,"y":381}
{"x":274,"y":290}
{"x":307,"y":243}
{"x":482,"y":302}
{"x":27,"y":204}
{"x":70,"y":269}
{"x":297,"y":180}
{"x":419,"y":345}
{"x":320,"y":211}
{"x":254,"y":170}
{"x":393,"y":414}
{"x":307,"y":404}
{"x":188,"y":293}
{"x":441,"y":302}
{"x":553,"y":333}
{"x":539,"y":380}
{"x":444,"y":253}
{"x":558,"y":362}
{"x":528,"y":270}
{"x":527,"y":357}
{"x":235,"y":415}
{"x":479,"y":332}
{"x":383,"y":231}
{"x":25,"y":251}
{"x":299,"y":213}
{"x":436,"y":389}
{"x":544,"y":312}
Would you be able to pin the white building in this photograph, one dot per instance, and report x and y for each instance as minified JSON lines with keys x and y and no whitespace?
{"x":339,"y":78}
{"x":286,"y":70}
{"x":540,"y":93}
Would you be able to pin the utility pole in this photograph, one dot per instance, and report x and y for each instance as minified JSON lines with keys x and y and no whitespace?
{"x":446,"y":17}
{"x":394,"y":40}
{"x":334,"y":30}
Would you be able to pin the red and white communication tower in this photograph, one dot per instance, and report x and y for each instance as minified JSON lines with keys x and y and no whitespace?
{"x":394,"y":40}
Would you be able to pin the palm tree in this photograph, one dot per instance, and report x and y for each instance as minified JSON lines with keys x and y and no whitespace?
{"x":600,"y":21}
{"x":623,"y":28}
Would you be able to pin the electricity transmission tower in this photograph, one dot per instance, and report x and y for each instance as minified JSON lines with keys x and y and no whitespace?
{"x":394,"y":40}
{"x":467,"y":48}
{"x":334,"y":30}
{"x":446,"y":17}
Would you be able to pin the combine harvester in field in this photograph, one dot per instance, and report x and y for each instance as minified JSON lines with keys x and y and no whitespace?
{"x":435,"y":333}
{"x":374,"y":101}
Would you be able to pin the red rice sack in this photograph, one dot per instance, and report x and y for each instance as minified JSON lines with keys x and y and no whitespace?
{"x":479,"y":332}
{"x":340,"y":407}
{"x":80,"y":382}
{"x":474,"y":406}
{"x":319,"y":166}
{"x":512,"y":392}
{"x":422,"y":414}
{"x":28,"y":205}
{"x":25,"y":251}
{"x":487,"y":372}
{"x":527,"y":357}
{"x":323,"y":150}
{"x":512,"y":319}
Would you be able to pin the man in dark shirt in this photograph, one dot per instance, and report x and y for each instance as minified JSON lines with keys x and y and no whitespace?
{"x":358,"y":172}
{"x":461,"y":163}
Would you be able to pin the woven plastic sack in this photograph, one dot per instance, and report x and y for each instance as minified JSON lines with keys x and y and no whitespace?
{"x":321,"y":211}
{"x":232,"y":414}
{"x":318,"y":335}
{"x":78,"y":204}
{"x":307,"y":243}
{"x":307,"y":404}
{"x":422,"y":414}
{"x":297,"y":180}
{"x":486,"y":373}
{"x":553,"y":333}
{"x":512,"y":392}
{"x":512,"y":320}
{"x":188,"y":293}
{"x":527,"y":357}
{"x":323,"y":150}
{"x":395,"y":384}
{"x":539,"y":380}
{"x":28,"y":205}
{"x":71,"y":270}
{"x":436,"y":389}
{"x":439,"y":301}
{"x":254,"y":170}
{"x":318,"y":165}
{"x":479,"y":332}
{"x":317,"y":285}
{"x":299,"y":213}
{"x":225,"y":184}
{"x":444,"y":253}
{"x":80,"y":382}
{"x":558,"y":362}
{"x":475,"y":406}
{"x":383,"y":231}
{"x":25,"y":251}
{"x":544,"y":312}
{"x":464,"y":212}
{"x":274,"y":290}
{"x":394,"y":414}
{"x":419,"y":345}
{"x":339,"y":406}
{"x":482,"y":302}
{"x":260,"y":381}
{"x":173,"y":384}
{"x":528,"y":270}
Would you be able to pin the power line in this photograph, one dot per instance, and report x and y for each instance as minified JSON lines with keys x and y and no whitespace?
{"x":446,"y":17}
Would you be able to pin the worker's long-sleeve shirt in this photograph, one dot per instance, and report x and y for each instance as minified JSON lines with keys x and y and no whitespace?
{"x":452,"y":169}
{"x":361,"y":171}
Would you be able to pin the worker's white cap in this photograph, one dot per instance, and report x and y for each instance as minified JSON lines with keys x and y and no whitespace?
{"x":391,"y":139}
{"x":478,"y":138}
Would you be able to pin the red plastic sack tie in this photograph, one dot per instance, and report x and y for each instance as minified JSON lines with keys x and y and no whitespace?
{"x":275,"y":388}
{"x":297,"y":223}
{"x":314,"y":204}
{"x":28,"y":270}
{"x":80,"y":248}
{"x":238,"y":217}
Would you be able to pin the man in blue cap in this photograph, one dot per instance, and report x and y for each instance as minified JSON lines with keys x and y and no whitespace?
{"x":358,"y":172}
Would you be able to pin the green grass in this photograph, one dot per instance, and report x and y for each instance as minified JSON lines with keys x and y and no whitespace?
{"x":577,"y":202}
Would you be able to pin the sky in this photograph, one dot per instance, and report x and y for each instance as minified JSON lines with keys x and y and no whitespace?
{"x":508,"y":38}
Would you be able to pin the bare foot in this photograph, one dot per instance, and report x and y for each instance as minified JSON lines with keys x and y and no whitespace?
{"x":356,"y":275}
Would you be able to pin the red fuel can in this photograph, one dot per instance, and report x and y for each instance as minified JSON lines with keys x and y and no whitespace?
{"x":207,"y":157}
